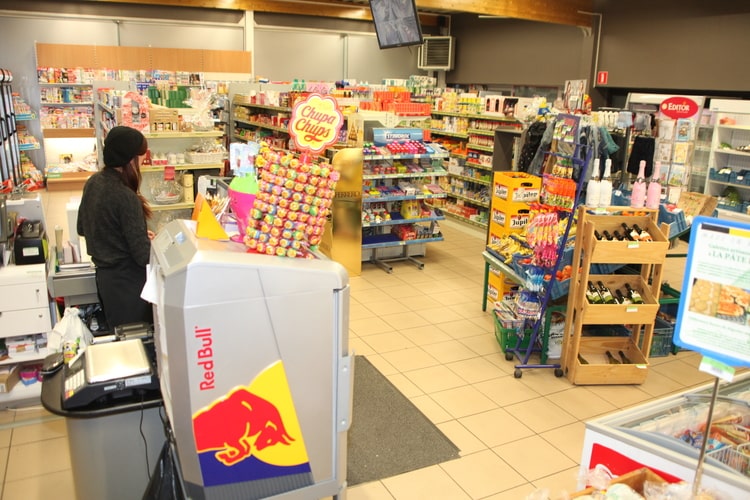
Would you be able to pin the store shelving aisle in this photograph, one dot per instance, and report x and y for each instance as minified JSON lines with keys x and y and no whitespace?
{"x":425,"y":330}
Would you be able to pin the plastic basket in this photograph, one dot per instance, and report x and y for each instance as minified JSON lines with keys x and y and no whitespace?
{"x":661,"y":343}
{"x":508,"y":337}
{"x":736,"y":458}
{"x":203,"y":158}
{"x":676,"y":221}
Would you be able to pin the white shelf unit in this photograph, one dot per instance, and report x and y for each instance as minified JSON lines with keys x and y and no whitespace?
{"x":469,"y":178}
{"x":379,"y":244}
{"x":255,"y":122}
{"x":729,"y":163}
{"x":24,"y":310}
{"x":61,"y":96}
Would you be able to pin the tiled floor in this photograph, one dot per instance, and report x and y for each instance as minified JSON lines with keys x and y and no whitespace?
{"x":427,"y":332}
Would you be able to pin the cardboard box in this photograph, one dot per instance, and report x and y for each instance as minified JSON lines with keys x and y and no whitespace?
{"x":163,"y":119}
{"x":697,"y":204}
{"x":8,"y":377}
{"x":516,"y":187}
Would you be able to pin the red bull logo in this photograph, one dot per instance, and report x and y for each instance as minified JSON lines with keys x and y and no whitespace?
{"x":251,"y":433}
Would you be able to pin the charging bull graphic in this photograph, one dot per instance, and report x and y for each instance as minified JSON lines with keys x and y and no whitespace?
{"x":245,"y":420}
{"x":252,"y":433}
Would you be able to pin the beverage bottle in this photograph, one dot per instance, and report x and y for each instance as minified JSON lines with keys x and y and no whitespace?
{"x":582,"y":360}
{"x":597,"y":235}
{"x":628,"y":232}
{"x":605,"y":185}
{"x":617,"y":235}
{"x":612,"y":360}
{"x":592,"y":294}
{"x":606,"y":295}
{"x":625,"y":359}
{"x":607,"y":236}
{"x":643,"y":235}
{"x":638,"y":195}
{"x":593,"y":187}
{"x":635,"y":296}
{"x":621,"y":298}
{"x":653,"y":192}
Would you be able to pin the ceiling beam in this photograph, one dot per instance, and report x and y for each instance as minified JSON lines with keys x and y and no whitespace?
{"x":568,"y":12}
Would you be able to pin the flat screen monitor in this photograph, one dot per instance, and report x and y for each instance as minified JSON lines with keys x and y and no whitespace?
{"x":396,"y":23}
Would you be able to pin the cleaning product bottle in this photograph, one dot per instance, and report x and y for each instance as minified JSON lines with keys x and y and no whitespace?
{"x":638,"y":195}
{"x":653,"y":192}
{"x":605,"y":185}
{"x":593,"y":187}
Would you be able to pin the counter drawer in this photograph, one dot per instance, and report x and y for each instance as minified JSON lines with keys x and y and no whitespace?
{"x":26,"y":296}
{"x":25,"y":322}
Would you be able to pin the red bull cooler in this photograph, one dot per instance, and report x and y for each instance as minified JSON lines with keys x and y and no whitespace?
{"x":254,"y":368}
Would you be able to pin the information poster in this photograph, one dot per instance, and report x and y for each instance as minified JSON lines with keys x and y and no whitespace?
{"x":714,"y":313}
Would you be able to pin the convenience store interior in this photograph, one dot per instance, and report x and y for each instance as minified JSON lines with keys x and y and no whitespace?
{"x":426,"y":332}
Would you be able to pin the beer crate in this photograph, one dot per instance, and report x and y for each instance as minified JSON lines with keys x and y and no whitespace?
{"x":515,"y":187}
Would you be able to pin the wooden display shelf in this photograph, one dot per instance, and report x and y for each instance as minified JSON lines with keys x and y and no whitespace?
{"x":599,"y":371}
{"x":605,"y":314}
{"x":626,"y":252}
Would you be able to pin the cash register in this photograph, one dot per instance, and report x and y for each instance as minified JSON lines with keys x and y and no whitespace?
{"x":115,"y":369}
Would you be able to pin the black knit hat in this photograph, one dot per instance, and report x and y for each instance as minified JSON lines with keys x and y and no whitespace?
{"x":122,"y":144}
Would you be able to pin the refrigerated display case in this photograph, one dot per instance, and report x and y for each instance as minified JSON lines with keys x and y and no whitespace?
{"x":665,"y":435}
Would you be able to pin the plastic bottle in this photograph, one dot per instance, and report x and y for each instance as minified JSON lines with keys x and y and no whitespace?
{"x":638,"y":195}
{"x":593,"y":187}
{"x":653,"y":192}
{"x":605,"y":185}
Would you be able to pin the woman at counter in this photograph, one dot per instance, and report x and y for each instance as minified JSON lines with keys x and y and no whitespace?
{"x":112,"y":217}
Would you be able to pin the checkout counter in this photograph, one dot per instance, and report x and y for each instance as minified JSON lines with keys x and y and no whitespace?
{"x":254,"y":378}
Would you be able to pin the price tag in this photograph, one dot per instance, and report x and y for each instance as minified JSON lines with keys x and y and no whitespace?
{"x":634,"y":244}
{"x":716,"y":368}
{"x":631,"y":309}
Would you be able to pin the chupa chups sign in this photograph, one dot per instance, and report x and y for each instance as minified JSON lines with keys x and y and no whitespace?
{"x":679,"y":107}
{"x":315,"y":123}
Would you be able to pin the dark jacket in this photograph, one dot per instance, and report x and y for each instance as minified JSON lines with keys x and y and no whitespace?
{"x":111,"y":219}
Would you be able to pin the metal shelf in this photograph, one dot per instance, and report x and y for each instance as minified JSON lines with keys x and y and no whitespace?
{"x":398,"y":219}
{"x":391,"y":240}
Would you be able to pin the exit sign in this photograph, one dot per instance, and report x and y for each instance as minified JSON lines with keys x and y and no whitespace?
{"x":602,"y":77}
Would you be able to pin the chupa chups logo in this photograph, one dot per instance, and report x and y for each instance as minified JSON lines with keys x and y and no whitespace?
{"x":251,"y":433}
{"x":315,"y":123}
{"x":679,"y":107}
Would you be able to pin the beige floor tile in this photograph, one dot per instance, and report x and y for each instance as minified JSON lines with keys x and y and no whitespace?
{"x":506,"y":390}
{"x":581,"y":404}
{"x":360,"y":347}
{"x":359,"y":312}
{"x":7,"y":417}
{"x":369,"y":326}
{"x":368,"y":491}
{"x":621,"y":396}
{"x":403,"y":290}
{"x":5,"y":435}
{"x":684,"y":372}
{"x":439,"y":314}
{"x":4,"y":452}
{"x":425,"y":335}
{"x":410,"y":319}
{"x":657,"y":384}
{"x":433,"y":411}
{"x":559,"y":485}
{"x":410,"y":358}
{"x":540,"y":414}
{"x":485,"y":321}
{"x":38,"y":432}
{"x":358,"y":284}
{"x":38,"y":458}
{"x":568,"y":439}
{"x":461,"y":436}
{"x":483,"y":473}
{"x":58,"y":485}
{"x":404,"y":385}
{"x":385,"y":342}
{"x":524,"y":455}
{"x":435,"y":378}
{"x":382,"y":365}
{"x":499,"y":361}
{"x":496,"y":427}
{"x":450,"y":351}
{"x":450,"y":298}
{"x":417,"y":302}
{"x":369,"y":295}
{"x":463,"y":401}
{"x":476,"y":370}
{"x":542,"y":380}
{"x":461,"y":328}
{"x":385,"y":306}
{"x":483,"y":344}
{"x":471,"y":309}
{"x":430,"y":483}
{"x":517,"y":493}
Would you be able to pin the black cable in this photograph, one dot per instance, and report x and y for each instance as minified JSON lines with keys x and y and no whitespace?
{"x":143,"y":436}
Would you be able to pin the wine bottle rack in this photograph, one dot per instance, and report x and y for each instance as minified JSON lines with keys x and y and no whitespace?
{"x":589,"y":250}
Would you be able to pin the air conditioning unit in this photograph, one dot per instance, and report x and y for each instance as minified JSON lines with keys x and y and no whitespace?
{"x":436,"y":53}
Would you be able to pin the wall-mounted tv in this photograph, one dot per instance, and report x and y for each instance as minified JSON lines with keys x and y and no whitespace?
{"x":396,"y":23}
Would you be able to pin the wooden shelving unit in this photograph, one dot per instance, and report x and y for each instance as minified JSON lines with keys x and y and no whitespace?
{"x":639,"y":318}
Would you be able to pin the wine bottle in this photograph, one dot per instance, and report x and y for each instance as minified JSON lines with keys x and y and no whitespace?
{"x":653,"y":192}
{"x":605,"y":185}
{"x":582,"y":360}
{"x":593,"y":186}
{"x":617,"y":235}
{"x":607,"y":236}
{"x":597,"y":235}
{"x":592,"y":294}
{"x":625,"y":359}
{"x":632,"y":233}
{"x":635,"y":296}
{"x":612,"y":360}
{"x":606,"y":295}
{"x":638,"y":195}
{"x":643,"y":235}
{"x":622,"y":298}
